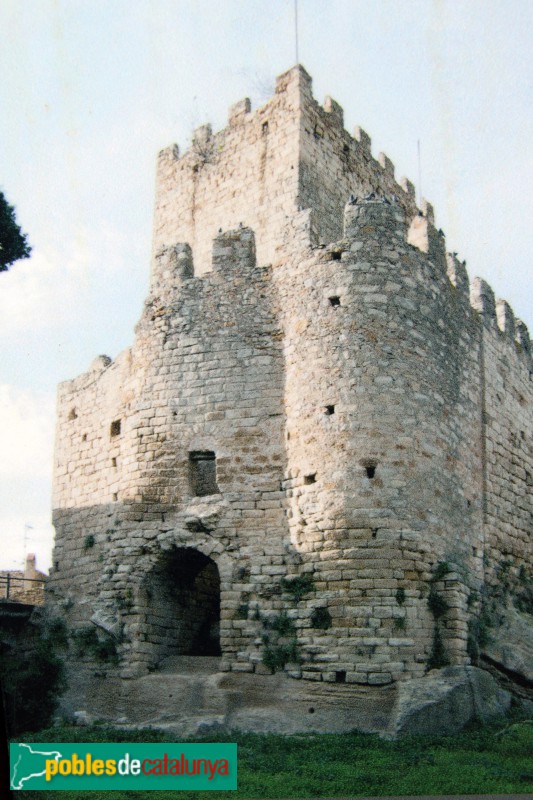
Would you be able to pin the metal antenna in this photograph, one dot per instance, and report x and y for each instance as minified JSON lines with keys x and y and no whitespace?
{"x":296,"y":29}
{"x":27,"y":527}
{"x":419,"y":177}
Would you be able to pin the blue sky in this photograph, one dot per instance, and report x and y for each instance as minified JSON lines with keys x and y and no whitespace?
{"x":92,"y":89}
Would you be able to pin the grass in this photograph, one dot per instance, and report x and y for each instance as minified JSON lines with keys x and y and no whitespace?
{"x":482,"y":760}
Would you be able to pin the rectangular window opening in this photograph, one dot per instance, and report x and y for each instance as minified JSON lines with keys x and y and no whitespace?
{"x":335,"y":301}
{"x":308,"y":479}
{"x":340,"y":676}
{"x":115,"y":427}
{"x":329,"y":410}
{"x":336,"y":255}
{"x":203,"y":473}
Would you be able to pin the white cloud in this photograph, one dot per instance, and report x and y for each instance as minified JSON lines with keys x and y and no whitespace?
{"x":27,"y":434}
{"x":23,"y":533}
{"x":39,"y":292}
{"x":49,"y":289}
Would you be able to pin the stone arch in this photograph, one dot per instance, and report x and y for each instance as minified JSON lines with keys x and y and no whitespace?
{"x":182,"y":605}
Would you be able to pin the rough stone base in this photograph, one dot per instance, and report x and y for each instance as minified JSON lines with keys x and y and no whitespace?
{"x":446,"y":700}
{"x":195,"y":698}
{"x":511,"y":645}
{"x":192,"y":697}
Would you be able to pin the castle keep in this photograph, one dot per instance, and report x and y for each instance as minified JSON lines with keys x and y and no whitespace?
{"x":315,"y":460}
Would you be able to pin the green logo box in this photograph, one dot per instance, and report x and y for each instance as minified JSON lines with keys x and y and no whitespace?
{"x":123,"y":766}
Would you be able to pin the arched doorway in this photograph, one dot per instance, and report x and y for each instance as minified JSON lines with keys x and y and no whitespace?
{"x":183,"y":605}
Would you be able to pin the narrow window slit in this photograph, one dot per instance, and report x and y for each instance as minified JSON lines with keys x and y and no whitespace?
{"x":369,"y":466}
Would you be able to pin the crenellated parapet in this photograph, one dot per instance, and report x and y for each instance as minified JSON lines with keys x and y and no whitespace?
{"x":290,"y":154}
{"x":238,"y":111}
{"x":288,"y":157}
{"x":373,"y":216}
{"x":505,"y":318}
{"x":483,"y":301}
{"x":458,"y":276}
{"x":522,"y":336}
{"x":498,"y":316}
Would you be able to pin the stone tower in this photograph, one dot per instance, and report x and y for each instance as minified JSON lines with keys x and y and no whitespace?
{"x":314,"y":459}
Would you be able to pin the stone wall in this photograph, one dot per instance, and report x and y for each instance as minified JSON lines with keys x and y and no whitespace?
{"x":507,"y":449}
{"x":384,"y":482}
{"x":315,"y":455}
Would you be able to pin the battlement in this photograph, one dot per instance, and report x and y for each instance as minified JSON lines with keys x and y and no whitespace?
{"x":288,"y":155}
{"x":378,"y":218}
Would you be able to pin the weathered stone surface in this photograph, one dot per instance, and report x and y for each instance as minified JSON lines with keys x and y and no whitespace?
{"x":315,"y":457}
{"x":511,"y":643}
{"x":446,"y":700}
{"x":192,"y":701}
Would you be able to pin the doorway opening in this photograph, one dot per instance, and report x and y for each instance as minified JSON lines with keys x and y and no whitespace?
{"x":183,"y":605}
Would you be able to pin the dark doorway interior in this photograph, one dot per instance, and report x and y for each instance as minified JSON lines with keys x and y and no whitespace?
{"x":183,"y":598}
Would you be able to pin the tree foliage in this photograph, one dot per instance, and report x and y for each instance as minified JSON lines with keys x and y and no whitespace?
{"x":13,"y":243}
{"x":31,"y":682}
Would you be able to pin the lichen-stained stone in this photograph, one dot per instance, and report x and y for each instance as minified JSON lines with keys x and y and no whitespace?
{"x":510,"y":645}
{"x":447,"y":700}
